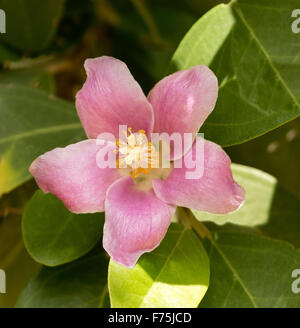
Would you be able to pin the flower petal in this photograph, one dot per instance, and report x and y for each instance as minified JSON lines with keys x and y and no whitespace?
{"x":135,"y":221}
{"x":182,"y":101}
{"x":215,"y":191}
{"x":111,"y":97}
{"x":72,"y":174}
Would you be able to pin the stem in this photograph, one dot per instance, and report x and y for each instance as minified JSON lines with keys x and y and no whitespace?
{"x":188,"y":220}
{"x":183,"y":217}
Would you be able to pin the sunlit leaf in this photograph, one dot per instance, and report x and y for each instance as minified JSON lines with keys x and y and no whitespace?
{"x":176,"y":274}
{"x":35,"y":122}
{"x":252,"y":50}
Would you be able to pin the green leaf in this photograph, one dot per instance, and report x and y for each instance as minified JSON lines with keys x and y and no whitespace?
{"x":248,"y":270}
{"x":14,"y":259}
{"x":252,"y":50}
{"x":53,"y":235}
{"x":35,"y":122}
{"x":29,"y":77}
{"x":31,"y":24}
{"x":176,"y":274}
{"x":80,"y":284}
{"x":269,"y":207}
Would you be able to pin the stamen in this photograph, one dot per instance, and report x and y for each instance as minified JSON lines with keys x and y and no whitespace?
{"x":136,"y":172}
{"x":136,"y":152}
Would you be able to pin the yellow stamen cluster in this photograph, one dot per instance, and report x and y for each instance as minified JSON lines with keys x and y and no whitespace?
{"x":137,"y":153}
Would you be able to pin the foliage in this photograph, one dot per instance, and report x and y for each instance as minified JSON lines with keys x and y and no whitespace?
{"x":242,"y":259}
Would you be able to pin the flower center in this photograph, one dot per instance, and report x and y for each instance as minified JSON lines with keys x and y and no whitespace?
{"x":137,"y":153}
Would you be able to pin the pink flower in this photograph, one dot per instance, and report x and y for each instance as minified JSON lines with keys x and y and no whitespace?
{"x":139,"y":203}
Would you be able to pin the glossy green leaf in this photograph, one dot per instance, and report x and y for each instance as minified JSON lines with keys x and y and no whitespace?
{"x":26,"y":77}
{"x":53,"y":235}
{"x":250,"y":46}
{"x":269,"y":207}
{"x":31,"y":24}
{"x":80,"y":284}
{"x":248,"y":270}
{"x":35,"y":122}
{"x":176,"y":274}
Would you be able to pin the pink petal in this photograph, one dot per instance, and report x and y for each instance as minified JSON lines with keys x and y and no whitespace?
{"x":182,"y":101}
{"x":214,"y":192}
{"x":135,"y":221}
{"x":111,"y":97}
{"x":72,"y":174}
